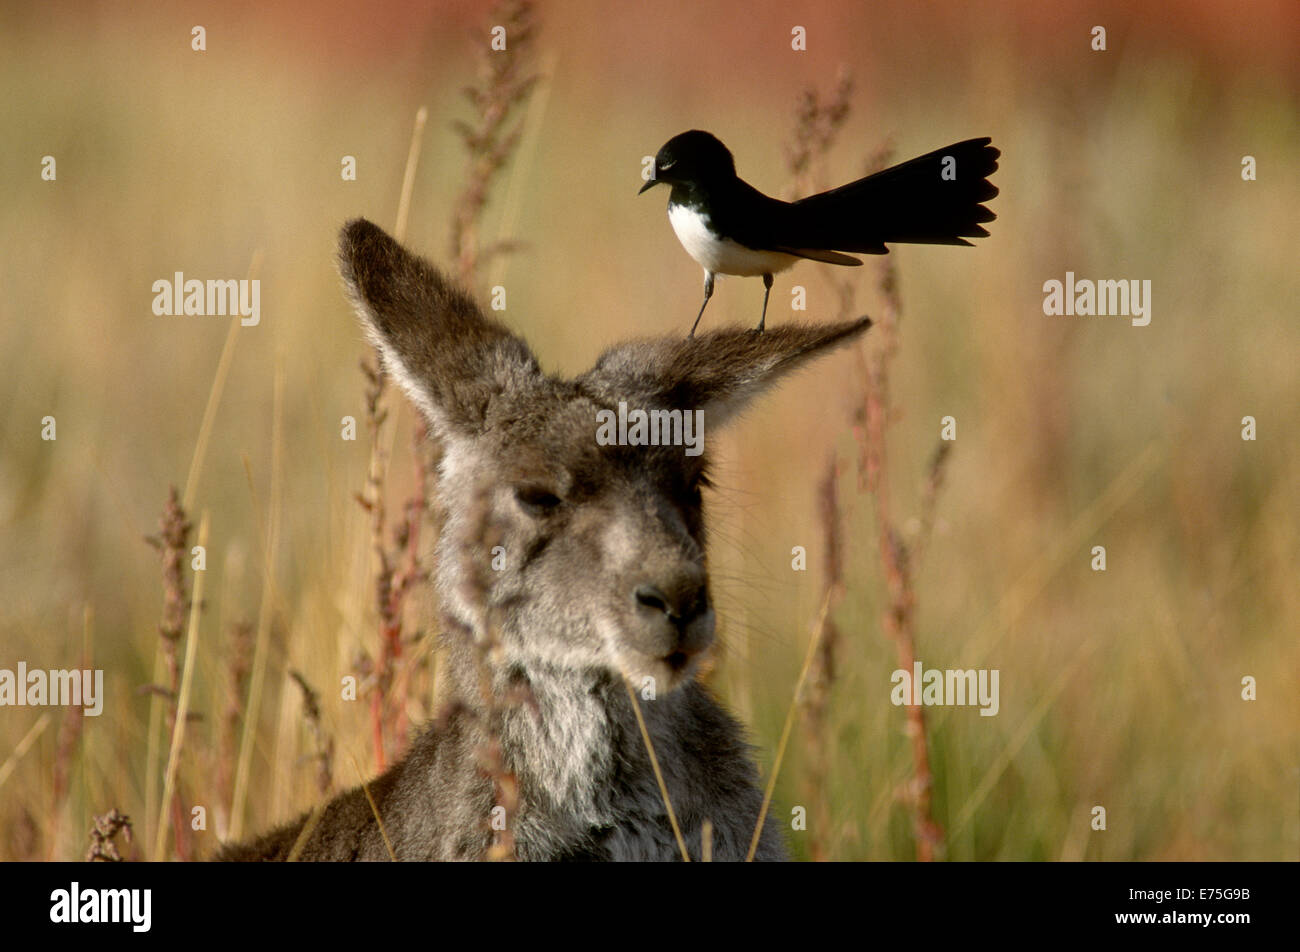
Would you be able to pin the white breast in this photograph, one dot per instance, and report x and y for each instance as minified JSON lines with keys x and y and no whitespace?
{"x":722,"y":255}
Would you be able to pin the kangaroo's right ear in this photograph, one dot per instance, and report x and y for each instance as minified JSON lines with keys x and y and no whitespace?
{"x":719,"y":372}
{"x":450,"y":358}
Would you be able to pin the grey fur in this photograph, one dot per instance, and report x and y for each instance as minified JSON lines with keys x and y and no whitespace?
{"x":604,"y":578}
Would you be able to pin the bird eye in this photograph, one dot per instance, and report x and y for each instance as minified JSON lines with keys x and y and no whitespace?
{"x":537,"y":501}
{"x":664,"y":166}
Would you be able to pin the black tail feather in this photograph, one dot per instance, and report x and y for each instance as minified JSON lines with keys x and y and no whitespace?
{"x":912,"y":202}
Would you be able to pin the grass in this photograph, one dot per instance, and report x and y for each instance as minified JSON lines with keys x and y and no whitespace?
{"x":1120,"y":689}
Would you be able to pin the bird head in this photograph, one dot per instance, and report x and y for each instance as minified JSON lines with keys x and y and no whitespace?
{"x":694,"y":156}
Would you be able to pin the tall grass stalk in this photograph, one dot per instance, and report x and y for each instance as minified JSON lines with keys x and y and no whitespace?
{"x":270,"y":554}
{"x":170,"y":793}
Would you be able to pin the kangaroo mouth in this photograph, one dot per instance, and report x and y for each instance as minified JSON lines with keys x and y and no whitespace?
{"x":668,"y":672}
{"x":677,"y":661}
{"x":667,"y":665}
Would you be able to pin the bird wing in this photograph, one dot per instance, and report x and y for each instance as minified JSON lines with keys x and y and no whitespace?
{"x":758,"y":221}
{"x":815,"y":254}
{"x":927,"y":200}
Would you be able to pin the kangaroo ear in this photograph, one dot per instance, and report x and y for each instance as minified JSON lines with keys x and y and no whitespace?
{"x":452,"y":360}
{"x":719,"y":372}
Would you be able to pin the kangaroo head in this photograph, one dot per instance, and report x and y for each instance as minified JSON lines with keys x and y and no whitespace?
{"x":584,"y":553}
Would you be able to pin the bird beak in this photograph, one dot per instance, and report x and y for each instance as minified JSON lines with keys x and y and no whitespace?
{"x":648,"y":185}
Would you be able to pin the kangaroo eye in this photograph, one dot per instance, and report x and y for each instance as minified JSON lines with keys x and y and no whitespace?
{"x":537,"y":500}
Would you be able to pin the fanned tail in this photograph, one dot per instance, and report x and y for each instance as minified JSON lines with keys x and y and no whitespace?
{"x":934,"y":199}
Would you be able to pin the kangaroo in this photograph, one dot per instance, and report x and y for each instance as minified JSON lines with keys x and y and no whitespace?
{"x":582,"y":565}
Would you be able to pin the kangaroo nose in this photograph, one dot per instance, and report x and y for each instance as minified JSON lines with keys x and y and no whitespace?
{"x":680,"y":610}
{"x":652,"y":597}
{"x":679,"y":617}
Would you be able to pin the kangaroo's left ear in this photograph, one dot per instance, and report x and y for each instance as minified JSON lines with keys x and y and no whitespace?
{"x":452,"y":360}
{"x":719,"y":372}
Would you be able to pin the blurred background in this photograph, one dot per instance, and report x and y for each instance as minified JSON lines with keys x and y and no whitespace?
{"x":1120,"y":689}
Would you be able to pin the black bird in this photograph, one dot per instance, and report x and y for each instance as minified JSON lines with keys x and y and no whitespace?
{"x":730,"y":227}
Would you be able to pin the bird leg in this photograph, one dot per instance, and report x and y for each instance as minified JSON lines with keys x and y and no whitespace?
{"x":767,"y":289}
{"x":708,"y":293}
